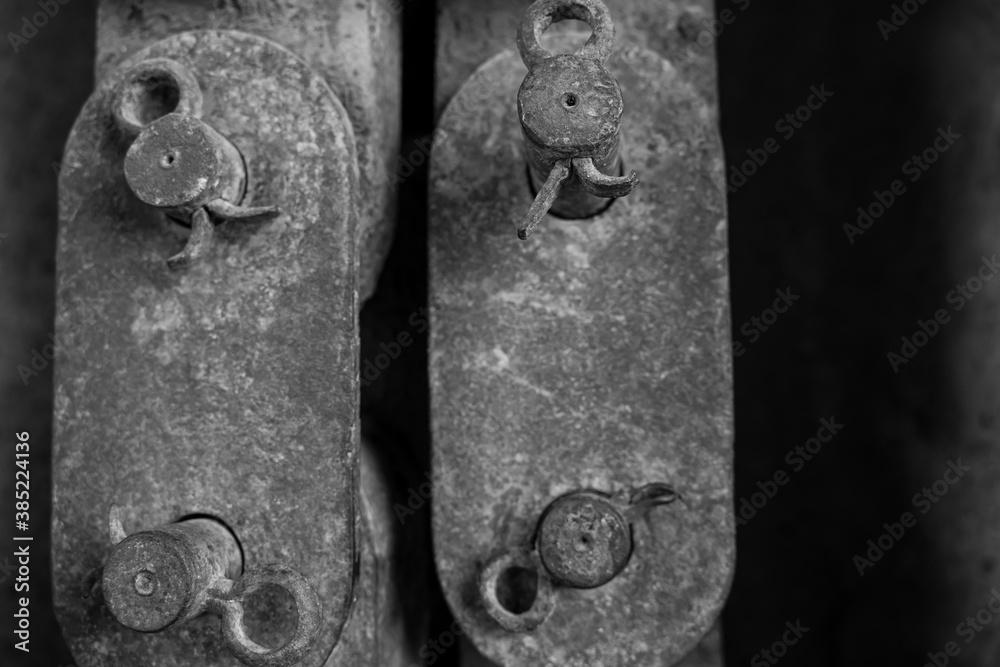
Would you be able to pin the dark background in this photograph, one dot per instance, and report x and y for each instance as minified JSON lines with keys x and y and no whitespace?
{"x":825,"y":358}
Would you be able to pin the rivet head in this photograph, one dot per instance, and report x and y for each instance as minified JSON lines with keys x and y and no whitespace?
{"x":175,"y":162}
{"x":148,"y":582}
{"x":570,"y":106}
{"x":583,"y":540}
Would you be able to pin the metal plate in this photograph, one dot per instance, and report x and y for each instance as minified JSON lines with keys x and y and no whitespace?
{"x":354,"y":45}
{"x":227,"y":389}
{"x":565,"y":362}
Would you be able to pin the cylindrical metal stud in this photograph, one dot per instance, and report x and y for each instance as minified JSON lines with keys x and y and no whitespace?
{"x":583,"y":540}
{"x":177,"y":162}
{"x":158,"y":578}
{"x":570,"y":109}
{"x":180,"y":164}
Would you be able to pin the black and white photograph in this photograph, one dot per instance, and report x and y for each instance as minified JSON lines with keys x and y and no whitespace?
{"x":499,"y":333}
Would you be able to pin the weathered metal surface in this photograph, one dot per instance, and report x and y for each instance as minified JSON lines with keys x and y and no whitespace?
{"x":152,"y":89}
{"x":355,"y":46}
{"x":514,"y":590}
{"x":229,"y":600}
{"x":375,"y":634}
{"x":467,"y":32}
{"x":584,"y":540}
{"x":178,"y":163}
{"x":562,"y":364}
{"x":542,"y":13}
{"x":156,"y":578}
{"x":227,"y":390}
{"x":570,"y":108}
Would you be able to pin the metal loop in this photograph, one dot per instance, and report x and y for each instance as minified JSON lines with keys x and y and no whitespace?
{"x":229,"y":605}
{"x":540,"y":607}
{"x":545,"y":12}
{"x":152,"y":89}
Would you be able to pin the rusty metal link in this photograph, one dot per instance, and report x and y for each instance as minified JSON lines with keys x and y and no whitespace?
{"x":159,"y":578}
{"x":227,"y":601}
{"x":570,"y":109}
{"x":583,"y":540}
{"x":543,"y":13}
{"x":516,"y":590}
{"x":177,"y":162}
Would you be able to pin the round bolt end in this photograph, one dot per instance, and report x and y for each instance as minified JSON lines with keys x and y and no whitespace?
{"x":515,"y":590}
{"x":179,"y":162}
{"x":570,"y":107}
{"x":148,"y":583}
{"x":583,"y":540}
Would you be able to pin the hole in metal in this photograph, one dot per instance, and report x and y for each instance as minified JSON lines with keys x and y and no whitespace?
{"x":270,"y":616}
{"x":517,"y":588}
{"x":150,"y":95}
{"x":565,"y":37}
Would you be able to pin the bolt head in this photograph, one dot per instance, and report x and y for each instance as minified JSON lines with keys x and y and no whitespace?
{"x":148,"y":581}
{"x":570,"y":107}
{"x":583,"y":540}
{"x":176,"y":162}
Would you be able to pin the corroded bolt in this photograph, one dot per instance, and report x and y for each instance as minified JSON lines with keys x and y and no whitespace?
{"x":155,"y":579}
{"x":570,"y":109}
{"x":178,"y":163}
{"x":158,"y":578}
{"x":584,"y":540}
